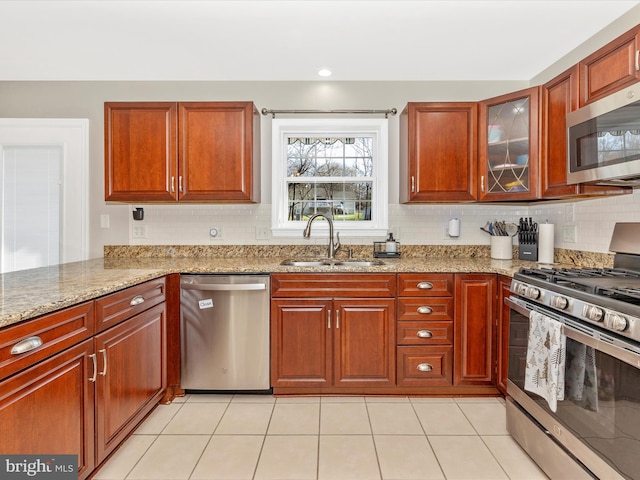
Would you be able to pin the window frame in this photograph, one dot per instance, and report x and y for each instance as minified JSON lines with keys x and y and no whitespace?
{"x":378,"y":129}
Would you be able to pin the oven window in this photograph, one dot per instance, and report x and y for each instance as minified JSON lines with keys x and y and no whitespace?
{"x":601,"y":404}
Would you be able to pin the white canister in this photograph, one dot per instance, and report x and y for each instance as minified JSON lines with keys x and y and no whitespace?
{"x":501,"y":247}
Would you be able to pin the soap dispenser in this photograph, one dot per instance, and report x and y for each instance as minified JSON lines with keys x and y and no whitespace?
{"x":391,"y":246}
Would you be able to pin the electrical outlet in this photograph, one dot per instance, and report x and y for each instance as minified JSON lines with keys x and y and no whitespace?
{"x":262,"y":233}
{"x":104,"y":221}
{"x":569,"y":234}
{"x":139,"y":231}
{"x":215,"y":233}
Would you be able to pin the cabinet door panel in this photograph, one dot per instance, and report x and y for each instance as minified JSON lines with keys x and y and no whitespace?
{"x":301,"y":343}
{"x":132,"y":377}
{"x":49,"y":408}
{"x":425,"y":366}
{"x":216,"y":151}
{"x":364,"y":342}
{"x":509,"y":146}
{"x":474,"y":334}
{"x":140,"y":151}
{"x":438,"y":162}
{"x":610,"y":68}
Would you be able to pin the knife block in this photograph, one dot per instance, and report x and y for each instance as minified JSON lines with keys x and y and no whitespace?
{"x":528,"y":251}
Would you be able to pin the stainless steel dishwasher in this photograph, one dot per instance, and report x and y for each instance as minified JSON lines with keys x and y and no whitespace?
{"x":224,"y":328}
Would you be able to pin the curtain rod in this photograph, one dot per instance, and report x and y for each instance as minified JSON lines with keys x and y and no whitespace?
{"x":386,"y":113}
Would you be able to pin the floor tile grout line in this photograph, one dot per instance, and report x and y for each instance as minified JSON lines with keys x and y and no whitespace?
{"x":426,"y":436}
{"x":373,"y":440}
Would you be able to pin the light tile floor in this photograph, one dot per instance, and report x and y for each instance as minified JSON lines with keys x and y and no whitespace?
{"x":260,"y":437}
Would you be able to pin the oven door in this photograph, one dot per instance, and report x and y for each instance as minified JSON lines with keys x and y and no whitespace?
{"x":598,"y":421}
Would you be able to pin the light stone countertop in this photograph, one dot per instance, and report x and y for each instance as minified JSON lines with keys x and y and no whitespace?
{"x":29,"y":293}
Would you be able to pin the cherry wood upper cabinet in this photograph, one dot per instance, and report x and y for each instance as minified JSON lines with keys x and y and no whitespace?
{"x":509,"y":146}
{"x":140,"y":151}
{"x":187,"y":151}
{"x":610,"y":68}
{"x":438,"y":152}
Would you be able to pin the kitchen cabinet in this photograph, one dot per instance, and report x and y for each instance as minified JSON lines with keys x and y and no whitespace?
{"x":502,"y":328}
{"x":560,"y":97}
{"x":508,"y":152}
{"x":84,"y":388}
{"x":474,"y":319}
{"x":425,"y":330}
{"x":46,"y":398}
{"x":131,"y":378}
{"x":332,"y":333}
{"x":438,"y":152}
{"x":182,"y":151}
{"x":610,"y":68}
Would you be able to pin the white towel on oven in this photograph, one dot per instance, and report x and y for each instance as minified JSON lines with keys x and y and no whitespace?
{"x":544,"y":373}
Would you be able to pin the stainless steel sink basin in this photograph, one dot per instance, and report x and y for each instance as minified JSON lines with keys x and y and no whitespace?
{"x":306,"y":263}
{"x":359,"y":263}
{"x":332,"y":263}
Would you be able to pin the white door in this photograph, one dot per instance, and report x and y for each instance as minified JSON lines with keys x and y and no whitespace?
{"x":43,"y":192}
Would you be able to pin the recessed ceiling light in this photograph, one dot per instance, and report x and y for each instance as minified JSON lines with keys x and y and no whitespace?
{"x":324,"y":72}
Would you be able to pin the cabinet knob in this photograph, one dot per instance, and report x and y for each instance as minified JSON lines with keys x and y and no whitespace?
{"x":425,"y":285}
{"x":425,"y":310}
{"x":424,"y":367}
{"x":424,"y":334}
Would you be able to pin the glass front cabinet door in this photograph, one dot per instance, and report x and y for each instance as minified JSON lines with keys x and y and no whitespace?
{"x":509,"y":145}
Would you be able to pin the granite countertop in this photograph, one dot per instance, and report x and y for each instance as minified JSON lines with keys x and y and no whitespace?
{"x":29,"y":293}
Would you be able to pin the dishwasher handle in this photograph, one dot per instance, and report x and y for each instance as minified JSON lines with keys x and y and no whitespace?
{"x":224,"y":286}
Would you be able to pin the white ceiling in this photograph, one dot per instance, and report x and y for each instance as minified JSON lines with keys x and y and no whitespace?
{"x":261,"y":40}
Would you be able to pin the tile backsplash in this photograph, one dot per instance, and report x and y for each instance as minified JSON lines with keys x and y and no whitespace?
{"x":591,"y":220}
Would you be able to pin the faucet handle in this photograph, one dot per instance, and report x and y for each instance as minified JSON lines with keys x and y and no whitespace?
{"x":336,"y":246}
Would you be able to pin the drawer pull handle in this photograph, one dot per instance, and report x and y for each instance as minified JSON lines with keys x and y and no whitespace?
{"x":328,"y":318}
{"x":26,"y":345}
{"x":425,"y":285}
{"x":337,"y":318}
{"x":137,"y":300}
{"x":425,"y":310}
{"x":425,"y":367}
{"x":424,"y":334}
{"x":104,"y":357}
{"x":95,"y":367}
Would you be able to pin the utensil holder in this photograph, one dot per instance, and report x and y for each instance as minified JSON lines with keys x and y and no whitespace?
{"x":501,"y":247}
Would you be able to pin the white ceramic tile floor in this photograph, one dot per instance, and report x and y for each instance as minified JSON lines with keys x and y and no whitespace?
{"x":260,"y":437}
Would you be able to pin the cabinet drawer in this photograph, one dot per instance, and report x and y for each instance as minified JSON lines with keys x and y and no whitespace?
{"x":114,"y":308}
{"x":338,"y":285}
{"x":425,"y":333}
{"x":420,"y":309}
{"x":425,"y":366}
{"x":56,"y":332}
{"x":425,"y":285}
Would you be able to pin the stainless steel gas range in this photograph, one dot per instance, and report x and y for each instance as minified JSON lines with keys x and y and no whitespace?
{"x":586,"y":424}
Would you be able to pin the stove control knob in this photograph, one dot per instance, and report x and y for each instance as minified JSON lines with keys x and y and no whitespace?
{"x":615,"y":322}
{"x":532,"y":293}
{"x":559,"y":302}
{"x":593,"y":313}
{"x":520,"y":289}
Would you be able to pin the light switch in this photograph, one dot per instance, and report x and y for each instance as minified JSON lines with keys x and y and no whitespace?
{"x":104,"y":221}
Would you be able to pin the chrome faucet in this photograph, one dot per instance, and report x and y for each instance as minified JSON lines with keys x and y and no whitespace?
{"x":333,"y":247}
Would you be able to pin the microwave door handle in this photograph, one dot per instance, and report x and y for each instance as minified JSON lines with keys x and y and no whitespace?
{"x":617,"y":352}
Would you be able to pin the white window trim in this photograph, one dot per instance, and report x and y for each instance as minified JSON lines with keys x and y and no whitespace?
{"x":282,"y":128}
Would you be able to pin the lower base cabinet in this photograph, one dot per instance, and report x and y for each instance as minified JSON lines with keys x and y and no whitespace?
{"x":332,"y":345}
{"x":49,"y":408}
{"x":83,"y":399}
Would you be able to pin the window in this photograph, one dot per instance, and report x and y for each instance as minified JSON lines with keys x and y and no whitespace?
{"x":336,"y":167}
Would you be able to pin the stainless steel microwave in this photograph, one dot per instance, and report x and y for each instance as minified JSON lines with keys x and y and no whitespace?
{"x":603,"y":140}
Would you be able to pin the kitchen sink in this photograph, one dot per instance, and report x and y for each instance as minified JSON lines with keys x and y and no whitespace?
{"x":332,"y":263}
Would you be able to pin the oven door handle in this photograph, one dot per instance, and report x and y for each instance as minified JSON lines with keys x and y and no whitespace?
{"x":617,"y":352}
